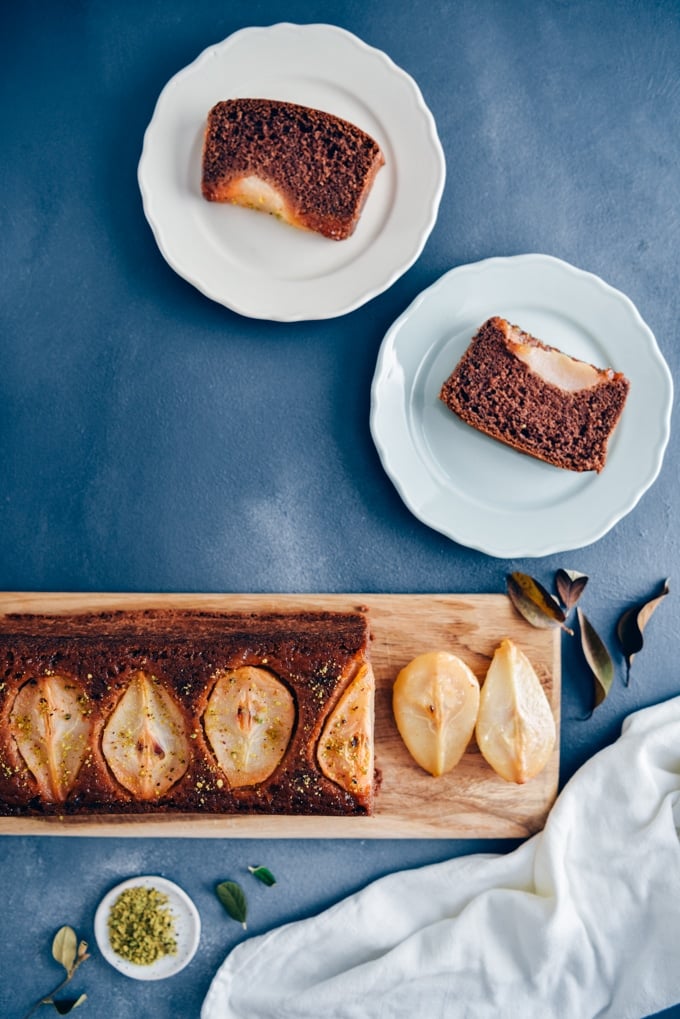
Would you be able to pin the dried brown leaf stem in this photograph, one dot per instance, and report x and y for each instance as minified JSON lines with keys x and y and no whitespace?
{"x":70,"y":954}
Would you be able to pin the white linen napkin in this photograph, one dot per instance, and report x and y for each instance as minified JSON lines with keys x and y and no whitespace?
{"x":581,"y":921}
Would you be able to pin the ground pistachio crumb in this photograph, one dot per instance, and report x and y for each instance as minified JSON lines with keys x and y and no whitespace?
{"x":141,"y":926}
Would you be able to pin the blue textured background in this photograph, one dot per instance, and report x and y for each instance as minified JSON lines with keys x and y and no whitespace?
{"x":152,"y":440}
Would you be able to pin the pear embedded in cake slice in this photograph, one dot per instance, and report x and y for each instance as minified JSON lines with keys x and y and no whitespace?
{"x":255,"y":193}
{"x":555,"y":367}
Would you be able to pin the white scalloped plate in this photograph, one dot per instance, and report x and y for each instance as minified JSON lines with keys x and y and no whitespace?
{"x":477,"y":491}
{"x":251,"y":262}
{"x":187,"y":929}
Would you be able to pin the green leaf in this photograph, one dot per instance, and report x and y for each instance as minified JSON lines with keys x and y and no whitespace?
{"x":64,"y":947}
{"x":631,"y":626}
{"x":233,"y":898}
{"x":570,"y":586}
{"x":263,"y":874}
{"x":533,"y":602}
{"x":597,"y":657}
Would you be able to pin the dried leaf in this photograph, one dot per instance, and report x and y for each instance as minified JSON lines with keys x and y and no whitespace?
{"x":70,"y":954}
{"x":570,"y":586}
{"x":64,"y":947}
{"x":597,"y":657}
{"x":67,"y":1005}
{"x":631,"y":626}
{"x":232,"y":897}
{"x":263,"y":874}
{"x":533,"y":602}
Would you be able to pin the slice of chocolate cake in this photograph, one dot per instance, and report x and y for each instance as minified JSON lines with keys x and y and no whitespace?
{"x":178,"y":711}
{"x":535,"y":398}
{"x":307,"y":167}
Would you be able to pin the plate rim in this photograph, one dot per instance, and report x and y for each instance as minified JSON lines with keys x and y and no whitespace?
{"x":101,"y":928}
{"x":363,"y":294}
{"x":487,"y":544}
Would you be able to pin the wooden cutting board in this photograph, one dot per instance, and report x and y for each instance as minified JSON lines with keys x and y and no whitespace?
{"x":470,"y":802}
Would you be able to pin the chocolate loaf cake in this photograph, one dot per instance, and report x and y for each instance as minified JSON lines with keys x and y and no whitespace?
{"x":181,"y":711}
{"x":535,"y":398}
{"x":307,"y":167}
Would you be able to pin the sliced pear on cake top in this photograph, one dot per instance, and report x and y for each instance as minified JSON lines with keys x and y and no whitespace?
{"x":248,"y":721}
{"x":145,"y":741}
{"x":51,"y":726}
{"x":345,"y":751}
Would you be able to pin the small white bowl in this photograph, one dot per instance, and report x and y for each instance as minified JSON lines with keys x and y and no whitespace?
{"x":187,"y":929}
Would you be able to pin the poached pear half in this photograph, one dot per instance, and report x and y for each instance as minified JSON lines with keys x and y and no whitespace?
{"x":435,"y":700}
{"x":515,"y":729}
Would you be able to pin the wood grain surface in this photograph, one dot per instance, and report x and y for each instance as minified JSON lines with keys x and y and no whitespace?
{"x":470,"y":802}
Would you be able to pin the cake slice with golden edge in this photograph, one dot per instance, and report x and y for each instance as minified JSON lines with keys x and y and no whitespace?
{"x":536,"y":398}
{"x":307,"y":167}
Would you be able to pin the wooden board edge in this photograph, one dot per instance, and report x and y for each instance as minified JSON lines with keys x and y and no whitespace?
{"x":320,"y":827}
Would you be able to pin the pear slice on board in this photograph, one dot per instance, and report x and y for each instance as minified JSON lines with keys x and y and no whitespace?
{"x":435,"y":699}
{"x":516,"y":729}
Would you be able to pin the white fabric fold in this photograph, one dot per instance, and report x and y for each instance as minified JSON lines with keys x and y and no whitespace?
{"x":581,"y":921}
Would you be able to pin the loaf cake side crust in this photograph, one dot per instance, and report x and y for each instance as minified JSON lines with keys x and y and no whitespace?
{"x":496,"y":391}
{"x":310,"y":168}
{"x":108,"y":669}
